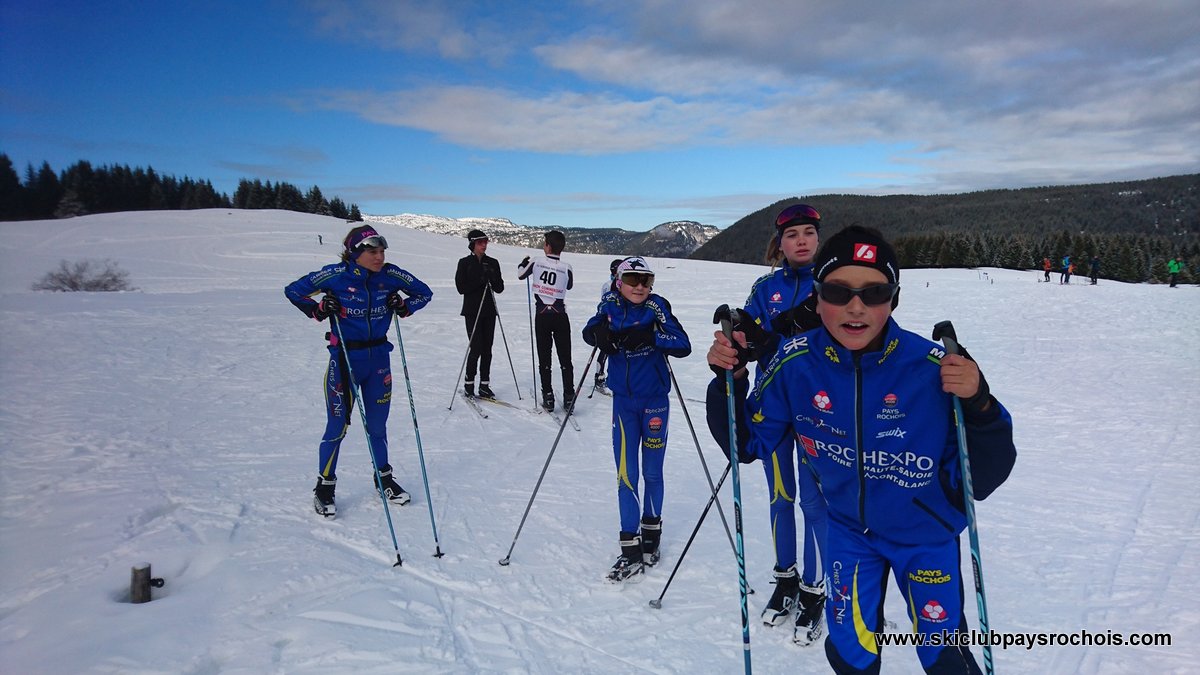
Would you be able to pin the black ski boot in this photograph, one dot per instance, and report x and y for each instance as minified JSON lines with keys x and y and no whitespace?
{"x":485,"y":391}
{"x":323,"y":496}
{"x":391,"y":489}
{"x":548,"y":400}
{"x":651,"y":536}
{"x":810,"y":620}
{"x":785,"y":600}
{"x":568,"y":398}
{"x":629,"y":566}
{"x":600,"y":382}
{"x":469,"y":388}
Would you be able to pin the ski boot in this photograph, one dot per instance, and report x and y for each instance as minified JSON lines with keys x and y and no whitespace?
{"x":548,"y":400}
{"x":485,"y":391}
{"x":323,"y":496}
{"x":600,"y":384}
{"x":629,"y":566}
{"x":568,"y":398}
{"x":390,"y":489}
{"x":651,"y":536}
{"x":785,"y":599}
{"x":469,"y":388}
{"x":810,"y":620}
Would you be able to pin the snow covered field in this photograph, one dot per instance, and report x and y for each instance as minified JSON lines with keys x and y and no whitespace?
{"x":178,"y":424}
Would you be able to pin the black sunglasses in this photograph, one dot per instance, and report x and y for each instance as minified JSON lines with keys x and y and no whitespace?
{"x":871,"y":296}
{"x":634,"y":279}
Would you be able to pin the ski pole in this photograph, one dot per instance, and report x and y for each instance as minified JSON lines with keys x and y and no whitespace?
{"x":470,"y":340}
{"x":723,"y":318}
{"x":657,"y":603}
{"x":362,"y":413}
{"x":703,"y":463}
{"x":561,"y":427}
{"x":532,"y":345}
{"x":944,"y":331}
{"x":504,"y":338}
{"x":412,"y":408}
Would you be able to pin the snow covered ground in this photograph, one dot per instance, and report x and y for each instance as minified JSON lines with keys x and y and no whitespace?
{"x":177,"y":425}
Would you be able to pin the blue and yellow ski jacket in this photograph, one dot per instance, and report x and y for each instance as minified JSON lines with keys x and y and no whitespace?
{"x":642,"y":372}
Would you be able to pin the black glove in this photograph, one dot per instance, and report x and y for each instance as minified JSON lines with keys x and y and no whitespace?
{"x":395,"y":302}
{"x":633,"y":340}
{"x":524,"y":262}
{"x":604,"y":338}
{"x":328,"y":306}
{"x":798,"y":319}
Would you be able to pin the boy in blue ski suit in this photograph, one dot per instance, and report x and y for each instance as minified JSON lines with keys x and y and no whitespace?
{"x":362,"y":292}
{"x":871,"y":405}
{"x":638,"y":331}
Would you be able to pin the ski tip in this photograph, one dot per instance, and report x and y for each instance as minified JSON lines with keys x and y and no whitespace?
{"x":656,"y":604}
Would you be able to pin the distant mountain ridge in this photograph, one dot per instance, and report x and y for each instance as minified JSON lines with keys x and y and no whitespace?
{"x":674,"y":239}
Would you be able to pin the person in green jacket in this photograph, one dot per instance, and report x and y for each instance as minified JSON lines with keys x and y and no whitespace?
{"x":1173,"y":266}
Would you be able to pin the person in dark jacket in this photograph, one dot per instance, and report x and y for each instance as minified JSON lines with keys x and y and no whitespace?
{"x":478,"y":280}
{"x":637,"y":330}
{"x":870,"y":403}
{"x":361,"y":293}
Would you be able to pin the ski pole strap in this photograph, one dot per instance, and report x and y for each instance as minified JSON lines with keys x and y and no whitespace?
{"x":352,"y":345}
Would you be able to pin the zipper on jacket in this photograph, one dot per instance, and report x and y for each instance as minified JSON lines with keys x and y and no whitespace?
{"x":858,"y":441}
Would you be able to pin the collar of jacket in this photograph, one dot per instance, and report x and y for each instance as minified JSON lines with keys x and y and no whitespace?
{"x":802,"y":272}
{"x":828,"y":348}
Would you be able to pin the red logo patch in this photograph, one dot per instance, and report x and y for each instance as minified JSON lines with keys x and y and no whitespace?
{"x":810,"y":446}
{"x":655,"y":424}
{"x":865,"y":253}
{"x":934,"y":611}
{"x":821,"y":402}
{"x":890,"y":400}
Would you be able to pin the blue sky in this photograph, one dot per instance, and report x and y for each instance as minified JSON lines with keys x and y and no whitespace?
{"x":590,"y":113}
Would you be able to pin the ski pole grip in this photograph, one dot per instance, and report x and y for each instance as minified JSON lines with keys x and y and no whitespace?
{"x":944,"y":331}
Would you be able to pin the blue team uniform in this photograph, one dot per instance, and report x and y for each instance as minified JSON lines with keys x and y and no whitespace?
{"x":640,"y":382}
{"x":364,"y":323}
{"x":877,"y":432}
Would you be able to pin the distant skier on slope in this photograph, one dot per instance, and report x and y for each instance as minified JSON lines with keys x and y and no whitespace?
{"x":551,"y":279}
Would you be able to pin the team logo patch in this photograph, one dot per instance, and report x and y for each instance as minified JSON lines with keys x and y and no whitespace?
{"x":821,"y":402}
{"x":933,"y":611}
{"x":865,"y":253}
{"x":890,"y":400}
{"x":655,"y":424}
{"x":387,"y":380}
{"x":810,"y":446}
{"x":352,"y":289}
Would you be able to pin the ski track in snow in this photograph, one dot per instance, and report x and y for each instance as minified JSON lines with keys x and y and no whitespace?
{"x":178,"y":425}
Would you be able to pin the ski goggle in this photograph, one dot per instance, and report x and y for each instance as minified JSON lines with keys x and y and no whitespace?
{"x":637,"y":279}
{"x":797,"y":214}
{"x":871,"y":296}
{"x":374,"y":241}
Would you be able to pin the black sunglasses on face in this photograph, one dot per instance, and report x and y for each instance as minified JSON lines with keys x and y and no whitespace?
{"x":871,"y":296}
{"x":631,"y":279}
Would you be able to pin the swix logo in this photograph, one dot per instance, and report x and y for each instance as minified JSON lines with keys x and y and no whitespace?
{"x":865,"y":252}
{"x":821,"y":402}
{"x":897,"y":432}
{"x":890,"y":400}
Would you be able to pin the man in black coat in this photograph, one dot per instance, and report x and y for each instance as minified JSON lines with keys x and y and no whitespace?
{"x":477,"y":279}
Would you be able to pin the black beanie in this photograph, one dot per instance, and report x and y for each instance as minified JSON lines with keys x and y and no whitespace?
{"x":474,"y":236}
{"x":857,"y":245}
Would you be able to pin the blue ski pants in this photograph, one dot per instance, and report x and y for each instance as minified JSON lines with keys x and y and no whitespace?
{"x":929,"y":576}
{"x":639,"y":430}
{"x":373,"y":374}
{"x":786,"y":484}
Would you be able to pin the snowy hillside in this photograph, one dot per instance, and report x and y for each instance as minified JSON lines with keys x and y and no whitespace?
{"x":178,"y":425}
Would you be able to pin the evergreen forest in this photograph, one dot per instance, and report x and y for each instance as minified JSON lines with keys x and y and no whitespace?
{"x":1134,"y":228}
{"x":82,"y":189}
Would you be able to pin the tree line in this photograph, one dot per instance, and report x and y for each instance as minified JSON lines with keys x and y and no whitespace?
{"x":81,"y":189}
{"x":1134,"y":227}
